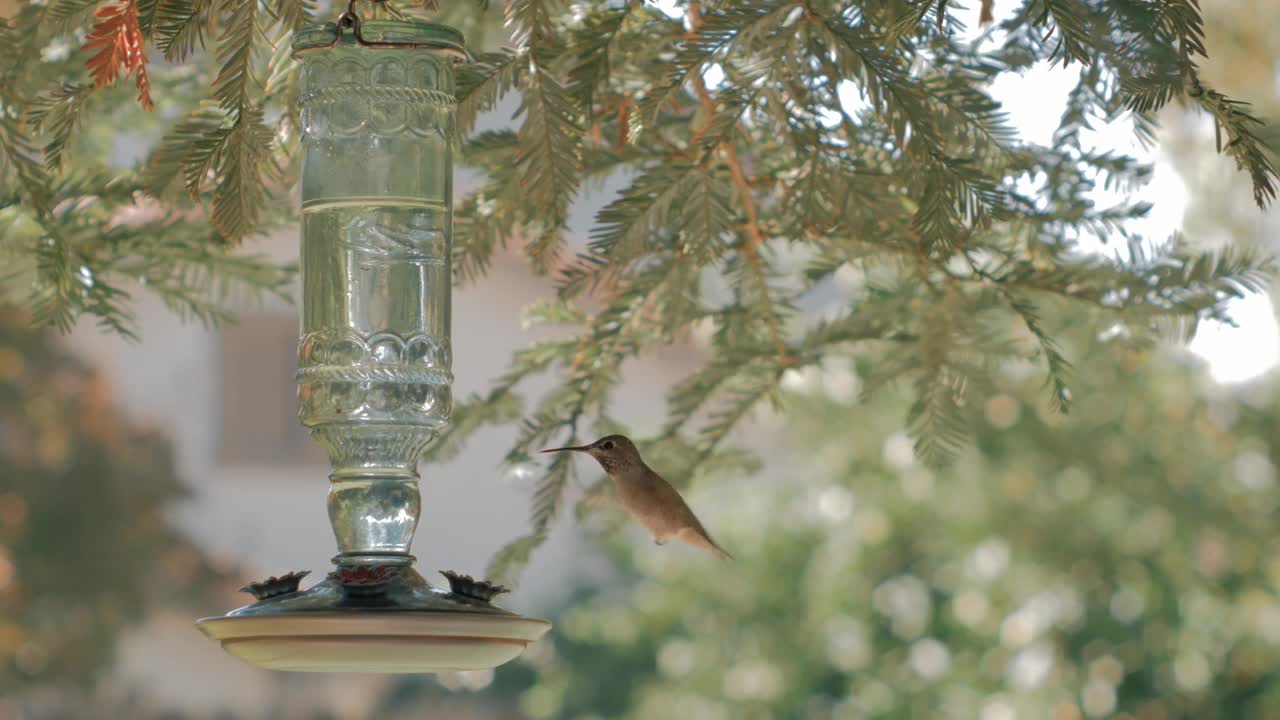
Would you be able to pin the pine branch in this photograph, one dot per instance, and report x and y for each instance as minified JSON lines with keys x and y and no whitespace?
{"x":626,"y":227}
{"x":956,"y":196}
{"x":57,"y":113}
{"x":530,"y":22}
{"x":549,"y":492}
{"x":195,"y":279}
{"x":77,"y":267}
{"x":1059,"y":368}
{"x":1232,"y":119}
{"x":232,"y":158}
{"x":693,"y":393}
{"x":282,"y":90}
{"x":705,"y":218}
{"x":500,"y":404}
{"x":1071,"y":19}
{"x":147,"y":15}
{"x":756,"y":366}
{"x":10,"y":48}
{"x":722,"y":420}
{"x":1154,"y":287}
{"x":974,"y":108}
{"x":856,"y":327}
{"x":511,"y":558}
{"x":52,"y":301}
{"x":481,"y":84}
{"x":19,"y":156}
{"x":1181,"y":20}
{"x":469,"y":417}
{"x":489,"y":217}
{"x":236,"y":88}
{"x":714,"y":36}
{"x":240,"y":195}
{"x":547,"y":157}
{"x":475,"y":239}
{"x":552,"y":312}
{"x":117,"y":40}
{"x":897,"y":98}
{"x":180,"y":27}
{"x":914,"y":16}
{"x":751,"y":251}
{"x":746,"y":202}
{"x":67,"y":15}
{"x":590,"y":52}
{"x":189,"y":150}
{"x":294,"y":14}
{"x":750,"y":386}
{"x":614,"y":336}
{"x":936,"y":419}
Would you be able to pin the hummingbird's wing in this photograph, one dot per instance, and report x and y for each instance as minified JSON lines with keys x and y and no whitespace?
{"x":679,"y":520}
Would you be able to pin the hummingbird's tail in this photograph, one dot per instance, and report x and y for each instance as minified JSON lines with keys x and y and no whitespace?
{"x":700,"y":538}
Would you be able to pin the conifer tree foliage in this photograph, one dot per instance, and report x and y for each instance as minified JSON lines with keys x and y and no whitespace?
{"x":80,"y":223}
{"x":766,"y":184}
{"x":748,"y":198}
{"x":1106,"y":564}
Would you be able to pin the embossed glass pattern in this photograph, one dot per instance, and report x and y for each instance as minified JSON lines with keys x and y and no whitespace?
{"x":373,"y":364}
{"x":374,"y":355}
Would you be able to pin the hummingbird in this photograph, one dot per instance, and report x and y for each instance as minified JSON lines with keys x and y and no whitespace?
{"x":647,"y":496}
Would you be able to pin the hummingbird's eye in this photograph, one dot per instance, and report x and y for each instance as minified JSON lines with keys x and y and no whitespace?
{"x":607,"y":444}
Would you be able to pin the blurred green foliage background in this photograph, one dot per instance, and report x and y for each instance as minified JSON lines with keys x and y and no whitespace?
{"x":1117,"y":563}
{"x":85,"y":545}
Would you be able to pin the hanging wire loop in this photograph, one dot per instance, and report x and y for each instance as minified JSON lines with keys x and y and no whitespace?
{"x":350,"y":20}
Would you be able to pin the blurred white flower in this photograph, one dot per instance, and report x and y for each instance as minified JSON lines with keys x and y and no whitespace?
{"x":930,"y":658}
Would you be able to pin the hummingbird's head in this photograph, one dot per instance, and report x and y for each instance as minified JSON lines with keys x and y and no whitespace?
{"x":613,"y":452}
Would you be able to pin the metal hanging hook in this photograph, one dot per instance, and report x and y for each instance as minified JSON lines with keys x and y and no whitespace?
{"x":350,"y":20}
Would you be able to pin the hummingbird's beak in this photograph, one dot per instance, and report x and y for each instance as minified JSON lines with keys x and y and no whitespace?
{"x":579,"y":448}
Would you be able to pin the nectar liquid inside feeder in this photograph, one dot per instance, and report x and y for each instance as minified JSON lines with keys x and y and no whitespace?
{"x":374,"y":363}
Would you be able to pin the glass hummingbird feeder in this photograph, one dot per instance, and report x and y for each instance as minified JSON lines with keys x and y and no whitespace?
{"x":374,"y":362}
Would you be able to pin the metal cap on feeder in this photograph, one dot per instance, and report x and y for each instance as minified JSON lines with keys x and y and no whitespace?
{"x":374,"y":362}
